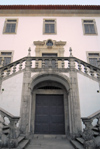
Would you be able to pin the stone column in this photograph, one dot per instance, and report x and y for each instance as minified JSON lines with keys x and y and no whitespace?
{"x":26,"y":97}
{"x":75,"y":117}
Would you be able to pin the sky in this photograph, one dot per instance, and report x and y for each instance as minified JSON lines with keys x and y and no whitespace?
{"x":48,"y":2}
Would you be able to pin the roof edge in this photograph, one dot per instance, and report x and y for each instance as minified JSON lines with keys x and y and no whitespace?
{"x":78,"y":7}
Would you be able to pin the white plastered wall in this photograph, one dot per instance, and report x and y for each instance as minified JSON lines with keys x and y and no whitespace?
{"x":10,"y":98}
{"x":89,"y":98}
{"x":69,"y":29}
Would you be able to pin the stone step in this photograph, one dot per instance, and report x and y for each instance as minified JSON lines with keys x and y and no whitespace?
{"x":77,"y":145}
{"x":96,"y":134}
{"x":6,"y":131}
{"x":5,"y":127}
{"x":50,"y":136}
{"x":95,"y":129}
{"x":80,"y":140}
{"x":23,"y":144}
{"x":21,"y":138}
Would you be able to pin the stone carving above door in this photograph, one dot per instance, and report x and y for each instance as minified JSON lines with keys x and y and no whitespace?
{"x":49,"y":46}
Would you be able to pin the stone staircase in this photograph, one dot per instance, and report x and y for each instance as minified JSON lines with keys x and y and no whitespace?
{"x":49,"y":142}
{"x":10,"y":136}
{"x":90,"y":137}
{"x":22,"y":141}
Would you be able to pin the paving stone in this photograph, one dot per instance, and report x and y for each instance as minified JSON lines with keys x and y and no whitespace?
{"x":49,"y":143}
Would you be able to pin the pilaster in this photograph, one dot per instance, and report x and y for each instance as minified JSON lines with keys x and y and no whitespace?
{"x":75,"y":116}
{"x":26,"y":96}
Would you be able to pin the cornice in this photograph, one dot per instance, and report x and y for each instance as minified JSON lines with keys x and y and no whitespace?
{"x":47,"y":12}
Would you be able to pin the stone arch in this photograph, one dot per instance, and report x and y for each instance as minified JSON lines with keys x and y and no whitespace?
{"x":58,"y":79}
{"x":64,"y":80}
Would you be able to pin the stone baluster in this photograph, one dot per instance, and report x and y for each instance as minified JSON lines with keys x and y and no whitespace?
{"x":91,"y":72}
{"x":56,"y":63}
{"x":63,"y":64}
{"x":36,"y":63}
{"x":1,"y":130}
{"x":50,"y":63}
{"x":98,"y":62}
{"x":20,"y":66}
{"x":43,"y":63}
{"x":88,"y":134}
{"x":85,"y":69}
{"x":14,"y":68}
{"x":13,"y":135}
{"x":79,"y":66}
{"x":8,"y":71}
{"x":98,"y":76}
{"x":98,"y":122}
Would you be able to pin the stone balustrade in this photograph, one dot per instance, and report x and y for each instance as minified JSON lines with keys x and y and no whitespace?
{"x":10,"y":140}
{"x":88,"y":134}
{"x":61,"y":64}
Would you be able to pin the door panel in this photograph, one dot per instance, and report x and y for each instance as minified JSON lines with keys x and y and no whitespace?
{"x":49,"y":115}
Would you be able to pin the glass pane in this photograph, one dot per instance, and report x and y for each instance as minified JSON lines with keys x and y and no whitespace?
{"x":86,"y":26}
{"x":46,"y":28}
{"x":93,"y":54}
{"x":13,"y":28}
{"x":52,"y":28}
{"x":49,"y":43}
{"x":49,"y":20}
{"x":7,"y":60}
{"x":11,"y":20}
{"x":89,"y":28}
{"x":93,"y":61}
{"x":49,"y":55}
{"x":92,"y":29}
{"x":6,"y":53}
{"x":10,"y":28}
{"x":49,"y":28}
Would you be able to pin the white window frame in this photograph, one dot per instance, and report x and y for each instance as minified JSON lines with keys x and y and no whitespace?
{"x":93,"y":54}
{"x":55,"y":26}
{"x":6,"y":55}
{"x":89,"y":22}
{"x":10,"y":21}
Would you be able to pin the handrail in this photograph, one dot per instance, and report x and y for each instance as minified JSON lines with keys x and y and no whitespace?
{"x":62,"y":64}
{"x":88,"y":134}
{"x":4,"y":112}
{"x":92,"y":116}
{"x":43,"y":58}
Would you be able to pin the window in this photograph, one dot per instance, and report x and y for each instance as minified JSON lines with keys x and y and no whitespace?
{"x":93,"y":58}
{"x":10,"y":26}
{"x":49,"y":26}
{"x":49,"y":43}
{"x":89,"y":27}
{"x":5,"y":57}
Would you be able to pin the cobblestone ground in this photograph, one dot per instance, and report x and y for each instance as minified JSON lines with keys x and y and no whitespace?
{"x":49,"y":143}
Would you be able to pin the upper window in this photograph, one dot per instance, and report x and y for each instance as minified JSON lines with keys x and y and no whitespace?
{"x":5,"y":57}
{"x":93,"y":58}
{"x":49,"y":26}
{"x":89,"y":27}
{"x":10,"y":26}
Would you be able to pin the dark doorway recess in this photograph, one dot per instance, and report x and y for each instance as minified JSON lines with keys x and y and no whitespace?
{"x":49,"y":114}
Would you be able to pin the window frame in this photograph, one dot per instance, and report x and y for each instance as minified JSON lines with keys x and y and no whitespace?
{"x":55,"y":26}
{"x":7,"y":22}
{"x":92,"y":56}
{"x":7,"y":51}
{"x":94,"y":23}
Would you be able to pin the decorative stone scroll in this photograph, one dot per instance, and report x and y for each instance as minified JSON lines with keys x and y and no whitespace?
{"x":10,"y":141}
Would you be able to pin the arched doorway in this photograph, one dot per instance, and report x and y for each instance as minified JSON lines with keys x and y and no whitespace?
{"x":50,"y":105}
